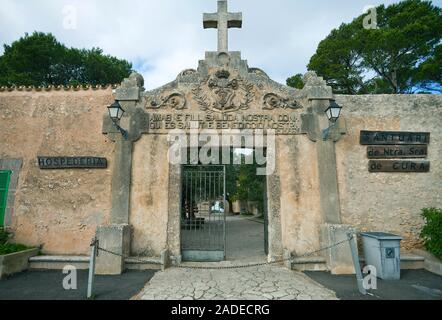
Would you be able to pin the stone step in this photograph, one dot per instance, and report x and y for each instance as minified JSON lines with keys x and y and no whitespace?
{"x":58,"y":262}
{"x":409,"y":261}
{"x":143,"y":263}
{"x":82,"y":262}
{"x":432,"y":263}
{"x":313,"y":263}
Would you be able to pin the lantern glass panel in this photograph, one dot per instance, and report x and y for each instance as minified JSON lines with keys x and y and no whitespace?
{"x":335,"y":112}
{"x":113,"y":112}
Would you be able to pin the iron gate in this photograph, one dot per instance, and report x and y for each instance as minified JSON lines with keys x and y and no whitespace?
{"x":203,"y":216}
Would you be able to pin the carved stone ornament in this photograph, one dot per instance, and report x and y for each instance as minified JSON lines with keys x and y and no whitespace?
{"x":274,"y":101}
{"x":175,"y":101}
{"x":222,"y":93}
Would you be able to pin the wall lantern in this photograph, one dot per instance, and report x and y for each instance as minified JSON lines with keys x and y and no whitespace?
{"x":116,"y":113}
{"x":333,"y":112}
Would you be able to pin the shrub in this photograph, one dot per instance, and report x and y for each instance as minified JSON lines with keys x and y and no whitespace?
{"x":6,"y":247}
{"x":4,"y":235}
{"x":432,"y":231}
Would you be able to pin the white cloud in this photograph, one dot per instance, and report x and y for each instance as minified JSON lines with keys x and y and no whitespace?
{"x":165,"y":37}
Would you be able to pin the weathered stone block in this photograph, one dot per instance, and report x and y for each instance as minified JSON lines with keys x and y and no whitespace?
{"x":114,"y":238}
{"x":339,"y":259}
{"x":127,"y":94}
{"x":16,"y":262}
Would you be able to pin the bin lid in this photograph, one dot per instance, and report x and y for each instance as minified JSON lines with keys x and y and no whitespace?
{"x":381,"y":235}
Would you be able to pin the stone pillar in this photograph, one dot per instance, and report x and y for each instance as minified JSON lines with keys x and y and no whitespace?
{"x":116,"y":236}
{"x":339,"y":258}
{"x":328,"y":186}
{"x":274,"y":217}
{"x":174,"y":213}
{"x":121,"y":181}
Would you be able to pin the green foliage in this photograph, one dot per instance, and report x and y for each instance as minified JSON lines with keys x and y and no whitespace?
{"x":429,"y":73}
{"x":6,"y":247}
{"x":296,"y":81}
{"x":4,"y":236}
{"x":40,"y":60}
{"x":432,"y":231}
{"x":402,"y":56}
{"x":244,"y":184}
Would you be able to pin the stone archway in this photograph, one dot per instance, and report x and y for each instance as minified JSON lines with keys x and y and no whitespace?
{"x":233,"y":97}
{"x":274,"y":236}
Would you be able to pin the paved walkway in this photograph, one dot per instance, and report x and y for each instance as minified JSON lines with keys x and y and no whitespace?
{"x":258,"y":283}
{"x":245,"y":239}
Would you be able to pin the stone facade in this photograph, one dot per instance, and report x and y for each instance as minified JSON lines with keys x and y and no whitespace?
{"x":62,"y":208}
{"x":59,"y":209}
{"x":319,"y":188}
{"x":389,"y":201}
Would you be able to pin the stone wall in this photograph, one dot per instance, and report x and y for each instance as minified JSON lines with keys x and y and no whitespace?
{"x":59,"y":209}
{"x":388,"y":201}
{"x":149,"y":198}
{"x":300,"y":203}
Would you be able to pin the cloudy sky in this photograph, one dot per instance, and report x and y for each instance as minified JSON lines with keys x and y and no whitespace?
{"x":163,"y":37}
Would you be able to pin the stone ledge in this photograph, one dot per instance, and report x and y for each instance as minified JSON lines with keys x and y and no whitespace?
{"x":431,"y":263}
{"x":314,"y":259}
{"x":58,"y":262}
{"x":82,"y":262}
{"x":60,"y":259}
{"x":143,"y":263}
{"x":409,"y":261}
{"x":315,"y":263}
{"x":16,"y":262}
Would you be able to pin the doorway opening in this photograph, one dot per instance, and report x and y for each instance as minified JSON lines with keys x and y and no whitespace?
{"x":224,"y":210}
{"x":246,"y":223}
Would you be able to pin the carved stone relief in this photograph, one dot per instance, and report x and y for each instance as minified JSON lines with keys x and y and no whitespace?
{"x":221,"y":92}
{"x":175,"y":101}
{"x":273,"y":101}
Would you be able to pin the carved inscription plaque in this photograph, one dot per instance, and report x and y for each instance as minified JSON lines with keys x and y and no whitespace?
{"x":393,"y":138}
{"x":283,"y":124}
{"x":72,"y":163}
{"x":390,"y":152}
{"x":398,"y":166}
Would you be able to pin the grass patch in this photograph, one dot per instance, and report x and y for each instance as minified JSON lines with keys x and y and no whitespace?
{"x":8,"y":248}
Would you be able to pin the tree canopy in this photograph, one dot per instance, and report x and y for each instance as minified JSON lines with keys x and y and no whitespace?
{"x":40,"y":60}
{"x":402,"y":55}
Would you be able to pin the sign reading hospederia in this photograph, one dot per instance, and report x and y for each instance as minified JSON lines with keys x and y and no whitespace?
{"x":72,"y":163}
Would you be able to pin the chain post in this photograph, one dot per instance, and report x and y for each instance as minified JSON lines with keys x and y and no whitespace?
{"x":90,"y":282}
{"x":357,"y":266}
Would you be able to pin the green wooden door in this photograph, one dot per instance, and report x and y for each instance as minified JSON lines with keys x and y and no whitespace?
{"x":4,"y":186}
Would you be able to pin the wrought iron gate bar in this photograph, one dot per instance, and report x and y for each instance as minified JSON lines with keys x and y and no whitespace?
{"x":203,"y":221}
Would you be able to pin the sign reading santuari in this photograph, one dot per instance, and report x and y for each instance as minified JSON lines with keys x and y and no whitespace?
{"x":396,"y":145}
{"x":72,"y":163}
{"x":393,"y":138}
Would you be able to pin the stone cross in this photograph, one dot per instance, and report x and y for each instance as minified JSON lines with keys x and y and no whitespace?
{"x":222,"y":20}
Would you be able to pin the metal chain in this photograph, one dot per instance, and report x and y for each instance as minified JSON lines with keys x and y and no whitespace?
{"x":239,"y":266}
{"x":127,"y":257}
{"x":265,"y":263}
